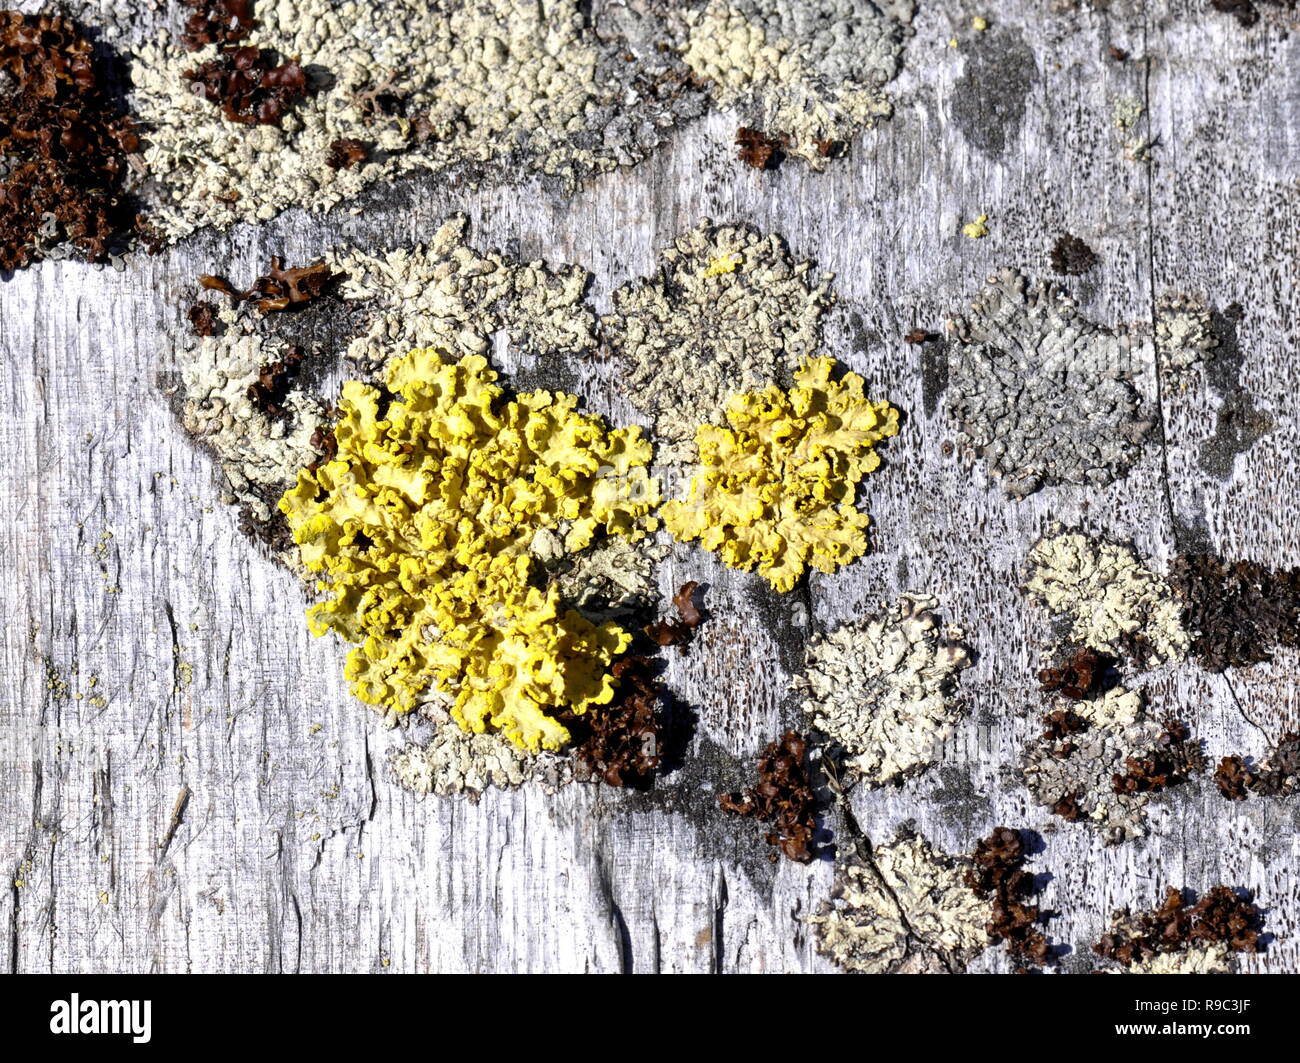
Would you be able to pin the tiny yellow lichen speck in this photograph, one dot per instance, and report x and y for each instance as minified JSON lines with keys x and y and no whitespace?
{"x":421,"y":528}
{"x":775,"y":491}
{"x":977,"y":229}
{"x":723,"y":264}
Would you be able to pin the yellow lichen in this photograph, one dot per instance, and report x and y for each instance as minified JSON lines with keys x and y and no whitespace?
{"x":420,"y":527}
{"x":977,"y":229}
{"x":775,"y":491}
{"x":722,"y":264}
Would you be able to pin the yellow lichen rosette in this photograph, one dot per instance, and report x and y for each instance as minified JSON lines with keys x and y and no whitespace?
{"x":419,"y":528}
{"x":775,"y":490}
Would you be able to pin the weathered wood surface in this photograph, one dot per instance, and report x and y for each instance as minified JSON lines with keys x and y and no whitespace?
{"x":126,"y":579}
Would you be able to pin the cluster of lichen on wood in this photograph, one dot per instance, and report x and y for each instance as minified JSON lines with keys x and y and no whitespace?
{"x":452,"y":524}
{"x":307,"y":104}
{"x":457,"y":529}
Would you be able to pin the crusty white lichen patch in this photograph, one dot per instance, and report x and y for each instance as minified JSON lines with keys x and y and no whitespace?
{"x":470,"y":87}
{"x":1082,"y":768}
{"x":1041,"y":392}
{"x":884,"y":688}
{"x":612,"y":577}
{"x":905,"y":909}
{"x":1199,"y":959}
{"x":1183,"y":333}
{"x":1105,"y":597}
{"x":455,"y":761}
{"x":446,"y":294}
{"x":729,"y":310}
{"x":258,"y":455}
{"x":810,"y":71}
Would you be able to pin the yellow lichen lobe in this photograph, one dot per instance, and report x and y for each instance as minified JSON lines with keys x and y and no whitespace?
{"x":775,"y":491}
{"x":977,"y":229}
{"x":723,"y":264}
{"x":420,"y":527}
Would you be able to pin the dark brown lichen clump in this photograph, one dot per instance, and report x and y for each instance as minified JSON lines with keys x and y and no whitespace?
{"x":270,"y":390}
{"x":1222,"y":916}
{"x":250,"y":84}
{"x":1278,"y":775}
{"x":1237,"y":612}
{"x":65,"y":145}
{"x":1173,"y":759}
{"x":783,"y":797}
{"x":997,"y":874}
{"x":619,"y":743}
{"x":1071,"y":256}
{"x":347,"y":152}
{"x":1234,"y":778}
{"x":1083,"y":674}
{"x":759,"y":151}
{"x":622,"y":743}
{"x":204,"y":320}
{"x":217,"y":22}
{"x":279,"y":288}
{"x":677,"y":632}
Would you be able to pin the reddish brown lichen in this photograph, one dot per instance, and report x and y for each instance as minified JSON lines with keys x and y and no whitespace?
{"x":619,"y":743}
{"x":1221,"y":917}
{"x":271,"y":388}
{"x":250,"y":84}
{"x":279,"y":288}
{"x":66,"y":145}
{"x":758,"y":150}
{"x":664,"y":632}
{"x":1279,"y":774}
{"x":1084,"y":674}
{"x":1172,"y":760}
{"x":203,"y":319}
{"x":997,"y":875}
{"x":347,"y":152}
{"x":217,"y":22}
{"x":783,"y":797}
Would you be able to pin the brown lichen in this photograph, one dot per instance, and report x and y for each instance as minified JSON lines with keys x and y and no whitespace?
{"x":758,"y":150}
{"x":677,"y":632}
{"x":1237,"y":612}
{"x":346,"y":152}
{"x":65,"y":144}
{"x":618,"y":743}
{"x":270,"y":391}
{"x":1173,"y":759}
{"x":1084,"y":674}
{"x":1234,"y":778}
{"x":997,"y":875}
{"x":250,"y":84}
{"x":1223,"y":918}
{"x":1071,"y":256}
{"x":278,"y":288}
{"x":783,"y":797}
{"x":1278,"y":775}
{"x":204,"y":320}
{"x":217,"y":22}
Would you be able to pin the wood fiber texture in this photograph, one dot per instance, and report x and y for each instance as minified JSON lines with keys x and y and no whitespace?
{"x":156,"y":666}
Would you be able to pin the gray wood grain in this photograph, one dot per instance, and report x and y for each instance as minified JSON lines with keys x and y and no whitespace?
{"x":149,"y":650}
